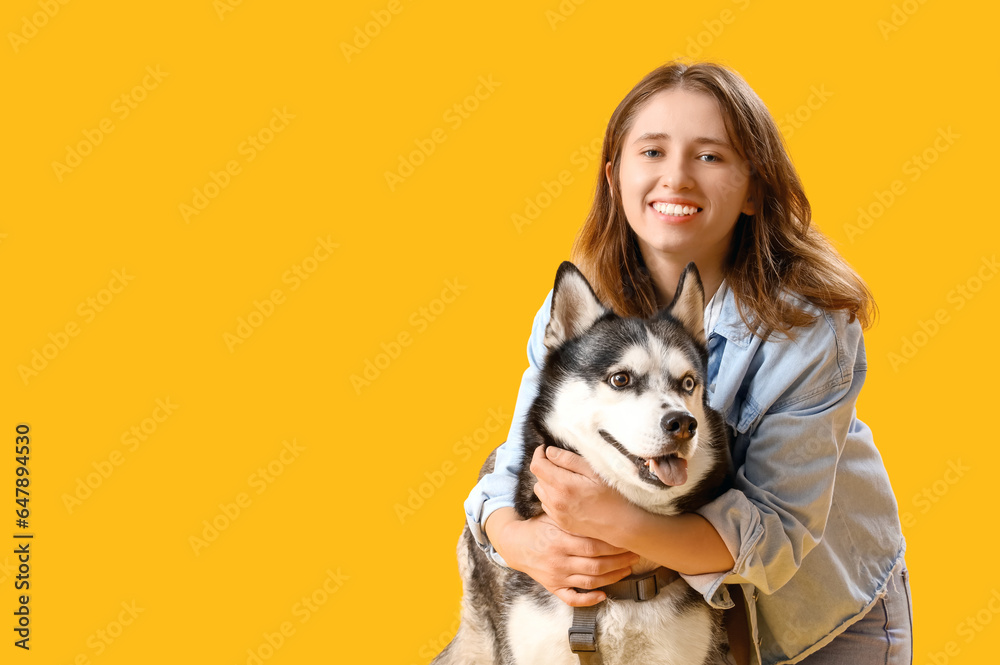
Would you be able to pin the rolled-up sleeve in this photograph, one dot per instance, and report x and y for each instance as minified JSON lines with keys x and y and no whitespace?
{"x":497,"y":489}
{"x":778,"y":508}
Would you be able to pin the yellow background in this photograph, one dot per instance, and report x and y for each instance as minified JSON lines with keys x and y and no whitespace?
{"x":557,"y":73}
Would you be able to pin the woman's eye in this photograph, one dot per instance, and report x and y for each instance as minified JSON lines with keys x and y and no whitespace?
{"x":619,"y":380}
{"x":711,"y":158}
{"x":687,"y":383}
{"x":653,"y":150}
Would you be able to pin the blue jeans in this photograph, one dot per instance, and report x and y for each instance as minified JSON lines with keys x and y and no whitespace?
{"x":883,"y":636}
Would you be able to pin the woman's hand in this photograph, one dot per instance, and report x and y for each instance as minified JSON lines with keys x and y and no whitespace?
{"x":575,"y":497}
{"x":558,"y":560}
{"x":579,"y":502}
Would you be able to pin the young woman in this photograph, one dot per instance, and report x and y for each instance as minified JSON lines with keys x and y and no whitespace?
{"x":695,"y":170}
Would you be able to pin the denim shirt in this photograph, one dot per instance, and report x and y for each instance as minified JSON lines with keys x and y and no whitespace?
{"x":811,"y":522}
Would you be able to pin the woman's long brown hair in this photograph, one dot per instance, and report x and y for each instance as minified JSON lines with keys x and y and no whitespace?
{"x":774,"y":251}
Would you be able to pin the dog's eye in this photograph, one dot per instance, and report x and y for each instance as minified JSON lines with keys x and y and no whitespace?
{"x":620,"y":380}
{"x":687,"y":383}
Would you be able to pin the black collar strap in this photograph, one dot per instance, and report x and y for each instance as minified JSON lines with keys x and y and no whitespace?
{"x":583,"y":632}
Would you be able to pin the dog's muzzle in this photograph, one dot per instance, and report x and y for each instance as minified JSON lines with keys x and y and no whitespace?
{"x":668,"y":469}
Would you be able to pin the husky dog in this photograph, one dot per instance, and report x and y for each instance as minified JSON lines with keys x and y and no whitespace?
{"x":628,"y":395}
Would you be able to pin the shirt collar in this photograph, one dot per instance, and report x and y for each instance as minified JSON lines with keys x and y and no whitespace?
{"x":722,"y":317}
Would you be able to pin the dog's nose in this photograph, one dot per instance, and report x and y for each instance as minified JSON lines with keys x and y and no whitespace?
{"x":679,"y":425}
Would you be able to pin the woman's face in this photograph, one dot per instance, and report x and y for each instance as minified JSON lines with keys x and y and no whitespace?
{"x":683,"y":186}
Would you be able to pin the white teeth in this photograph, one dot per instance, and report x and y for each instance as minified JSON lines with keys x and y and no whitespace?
{"x":674,"y":209}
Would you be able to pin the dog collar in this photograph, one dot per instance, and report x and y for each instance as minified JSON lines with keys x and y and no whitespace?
{"x":641,"y":587}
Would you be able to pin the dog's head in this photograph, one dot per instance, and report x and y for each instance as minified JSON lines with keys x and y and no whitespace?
{"x":629,"y":394}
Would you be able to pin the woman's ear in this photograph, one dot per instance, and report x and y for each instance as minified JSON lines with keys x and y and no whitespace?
{"x":748,"y":207}
{"x":607,"y":174}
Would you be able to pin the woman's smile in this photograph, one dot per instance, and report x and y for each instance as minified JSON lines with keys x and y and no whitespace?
{"x":676,"y":209}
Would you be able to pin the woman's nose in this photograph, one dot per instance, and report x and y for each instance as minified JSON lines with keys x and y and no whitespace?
{"x":676,"y":174}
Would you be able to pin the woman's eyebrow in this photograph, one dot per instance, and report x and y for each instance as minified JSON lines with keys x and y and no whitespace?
{"x":709,"y":140}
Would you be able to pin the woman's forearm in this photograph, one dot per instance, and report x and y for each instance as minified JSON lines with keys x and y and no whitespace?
{"x":495,"y":522}
{"x":687,"y":543}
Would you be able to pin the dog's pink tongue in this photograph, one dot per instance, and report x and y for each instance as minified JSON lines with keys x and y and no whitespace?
{"x":670,"y":470}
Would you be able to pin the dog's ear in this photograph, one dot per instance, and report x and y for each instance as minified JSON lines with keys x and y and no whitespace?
{"x":688,"y":305}
{"x":574,"y":306}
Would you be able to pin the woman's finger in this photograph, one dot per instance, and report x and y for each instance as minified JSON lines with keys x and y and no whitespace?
{"x":551,"y":473}
{"x":541,"y":466}
{"x":596,"y":581}
{"x":575,"y":598}
{"x":570,"y":461}
{"x":602,"y":566}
